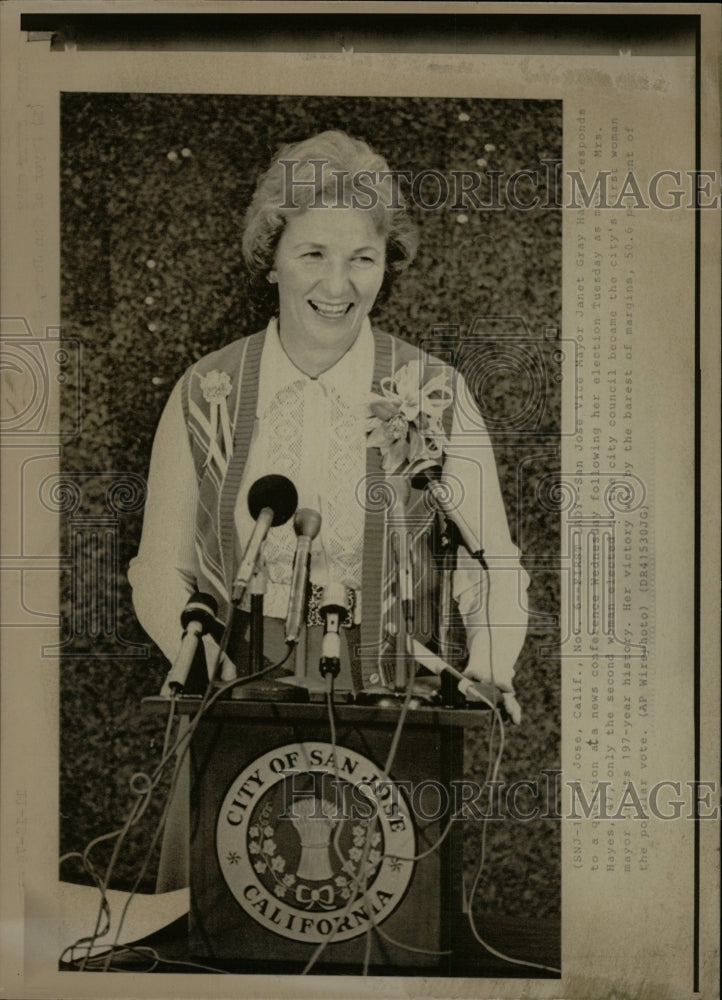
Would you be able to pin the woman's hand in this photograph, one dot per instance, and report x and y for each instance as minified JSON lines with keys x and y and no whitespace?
{"x":501,"y":674}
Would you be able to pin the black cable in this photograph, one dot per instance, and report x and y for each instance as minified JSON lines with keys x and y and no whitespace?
{"x":141,"y":804}
{"x":493,"y":772}
{"x":363,"y":863}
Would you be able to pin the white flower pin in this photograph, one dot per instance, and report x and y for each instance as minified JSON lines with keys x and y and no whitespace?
{"x":405,"y":422}
{"x":216,"y":387}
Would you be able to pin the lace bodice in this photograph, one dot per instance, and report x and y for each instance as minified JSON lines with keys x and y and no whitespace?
{"x":308,"y":432}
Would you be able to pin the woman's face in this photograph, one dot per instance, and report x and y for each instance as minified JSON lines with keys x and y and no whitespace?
{"x":330,"y":266}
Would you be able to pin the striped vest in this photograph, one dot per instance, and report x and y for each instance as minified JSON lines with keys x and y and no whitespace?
{"x":220,"y":431}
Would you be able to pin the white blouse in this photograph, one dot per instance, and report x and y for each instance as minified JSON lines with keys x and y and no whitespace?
{"x":311,"y":430}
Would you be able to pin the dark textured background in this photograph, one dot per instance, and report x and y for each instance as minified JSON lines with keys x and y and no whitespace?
{"x":130,"y":195}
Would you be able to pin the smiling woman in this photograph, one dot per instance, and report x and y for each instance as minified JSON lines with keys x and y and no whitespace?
{"x":352,"y":416}
{"x":155,"y":190}
{"x":301,"y":399}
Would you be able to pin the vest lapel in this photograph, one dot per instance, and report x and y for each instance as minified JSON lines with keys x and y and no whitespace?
{"x":242,"y":421}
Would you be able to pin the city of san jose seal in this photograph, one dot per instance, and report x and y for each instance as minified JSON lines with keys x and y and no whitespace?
{"x":315,"y":843}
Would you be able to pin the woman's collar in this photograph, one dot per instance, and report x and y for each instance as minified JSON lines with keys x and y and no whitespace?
{"x":348,"y":375}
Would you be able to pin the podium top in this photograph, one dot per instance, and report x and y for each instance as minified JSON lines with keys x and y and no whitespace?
{"x":368,"y":715}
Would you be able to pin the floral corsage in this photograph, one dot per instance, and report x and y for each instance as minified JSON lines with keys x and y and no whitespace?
{"x":404,"y":423}
{"x":216,"y":387}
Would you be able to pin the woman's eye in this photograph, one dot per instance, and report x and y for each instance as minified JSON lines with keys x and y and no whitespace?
{"x":364,"y":260}
{"x":313,"y":254}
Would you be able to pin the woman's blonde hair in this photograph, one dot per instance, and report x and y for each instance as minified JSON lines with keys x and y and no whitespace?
{"x":328,"y":169}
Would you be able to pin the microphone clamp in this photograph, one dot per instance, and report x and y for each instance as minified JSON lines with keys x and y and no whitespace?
{"x":333,"y":610}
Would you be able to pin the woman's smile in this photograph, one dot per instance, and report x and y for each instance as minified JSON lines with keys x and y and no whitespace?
{"x":331,"y":310}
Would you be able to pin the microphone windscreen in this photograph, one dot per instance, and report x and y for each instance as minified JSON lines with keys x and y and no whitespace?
{"x":200,"y":608}
{"x":276,"y":492}
{"x":307,"y":522}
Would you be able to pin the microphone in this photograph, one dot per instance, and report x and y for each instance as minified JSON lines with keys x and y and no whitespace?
{"x":333,"y":610}
{"x":196,"y":619}
{"x":306,"y":524}
{"x":429,"y":478}
{"x":472,"y":690}
{"x":271,"y":501}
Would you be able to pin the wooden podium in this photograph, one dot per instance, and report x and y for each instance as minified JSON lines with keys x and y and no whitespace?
{"x":296,"y":840}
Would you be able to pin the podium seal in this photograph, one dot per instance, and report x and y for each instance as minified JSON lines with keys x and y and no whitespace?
{"x":315,"y":843}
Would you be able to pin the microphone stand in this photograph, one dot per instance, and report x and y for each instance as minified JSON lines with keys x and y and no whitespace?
{"x":257,"y":590}
{"x":264,"y":689}
{"x":449,"y":539}
{"x":256,"y":587}
{"x":451,"y":536}
{"x":405,"y":577}
{"x":423,"y":694}
{"x":389,"y":692}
